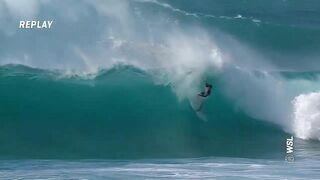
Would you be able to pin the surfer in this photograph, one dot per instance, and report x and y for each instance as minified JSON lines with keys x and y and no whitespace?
{"x":198,"y":103}
{"x":207,"y":90}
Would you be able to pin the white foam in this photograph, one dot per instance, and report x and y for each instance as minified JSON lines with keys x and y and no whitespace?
{"x":307,"y":115}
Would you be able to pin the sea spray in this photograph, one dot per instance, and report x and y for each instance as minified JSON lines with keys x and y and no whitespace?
{"x":307,"y":115}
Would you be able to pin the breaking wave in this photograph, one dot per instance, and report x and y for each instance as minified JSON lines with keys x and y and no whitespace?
{"x":307,"y":115}
{"x":129,"y":86}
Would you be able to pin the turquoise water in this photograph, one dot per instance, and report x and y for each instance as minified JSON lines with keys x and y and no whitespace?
{"x":306,"y":167}
{"x":111,"y":117}
{"x":109,"y":92}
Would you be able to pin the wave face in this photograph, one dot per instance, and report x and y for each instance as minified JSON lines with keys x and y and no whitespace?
{"x":121,"y":113}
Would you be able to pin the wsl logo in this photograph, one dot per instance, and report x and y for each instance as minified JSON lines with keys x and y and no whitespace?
{"x":289,"y":145}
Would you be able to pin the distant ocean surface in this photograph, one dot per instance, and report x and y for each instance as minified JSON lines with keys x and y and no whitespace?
{"x":110,"y":91}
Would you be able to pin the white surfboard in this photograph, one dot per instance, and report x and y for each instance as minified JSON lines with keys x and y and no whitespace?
{"x":197,"y":102}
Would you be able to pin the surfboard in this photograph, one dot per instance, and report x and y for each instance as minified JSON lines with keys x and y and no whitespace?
{"x":197,"y":102}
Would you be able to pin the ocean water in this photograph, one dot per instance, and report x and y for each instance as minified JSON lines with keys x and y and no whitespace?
{"x":208,"y":168}
{"x":110,"y":91}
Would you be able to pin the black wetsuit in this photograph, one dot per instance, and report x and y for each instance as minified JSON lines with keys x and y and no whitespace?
{"x":207,"y":92}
